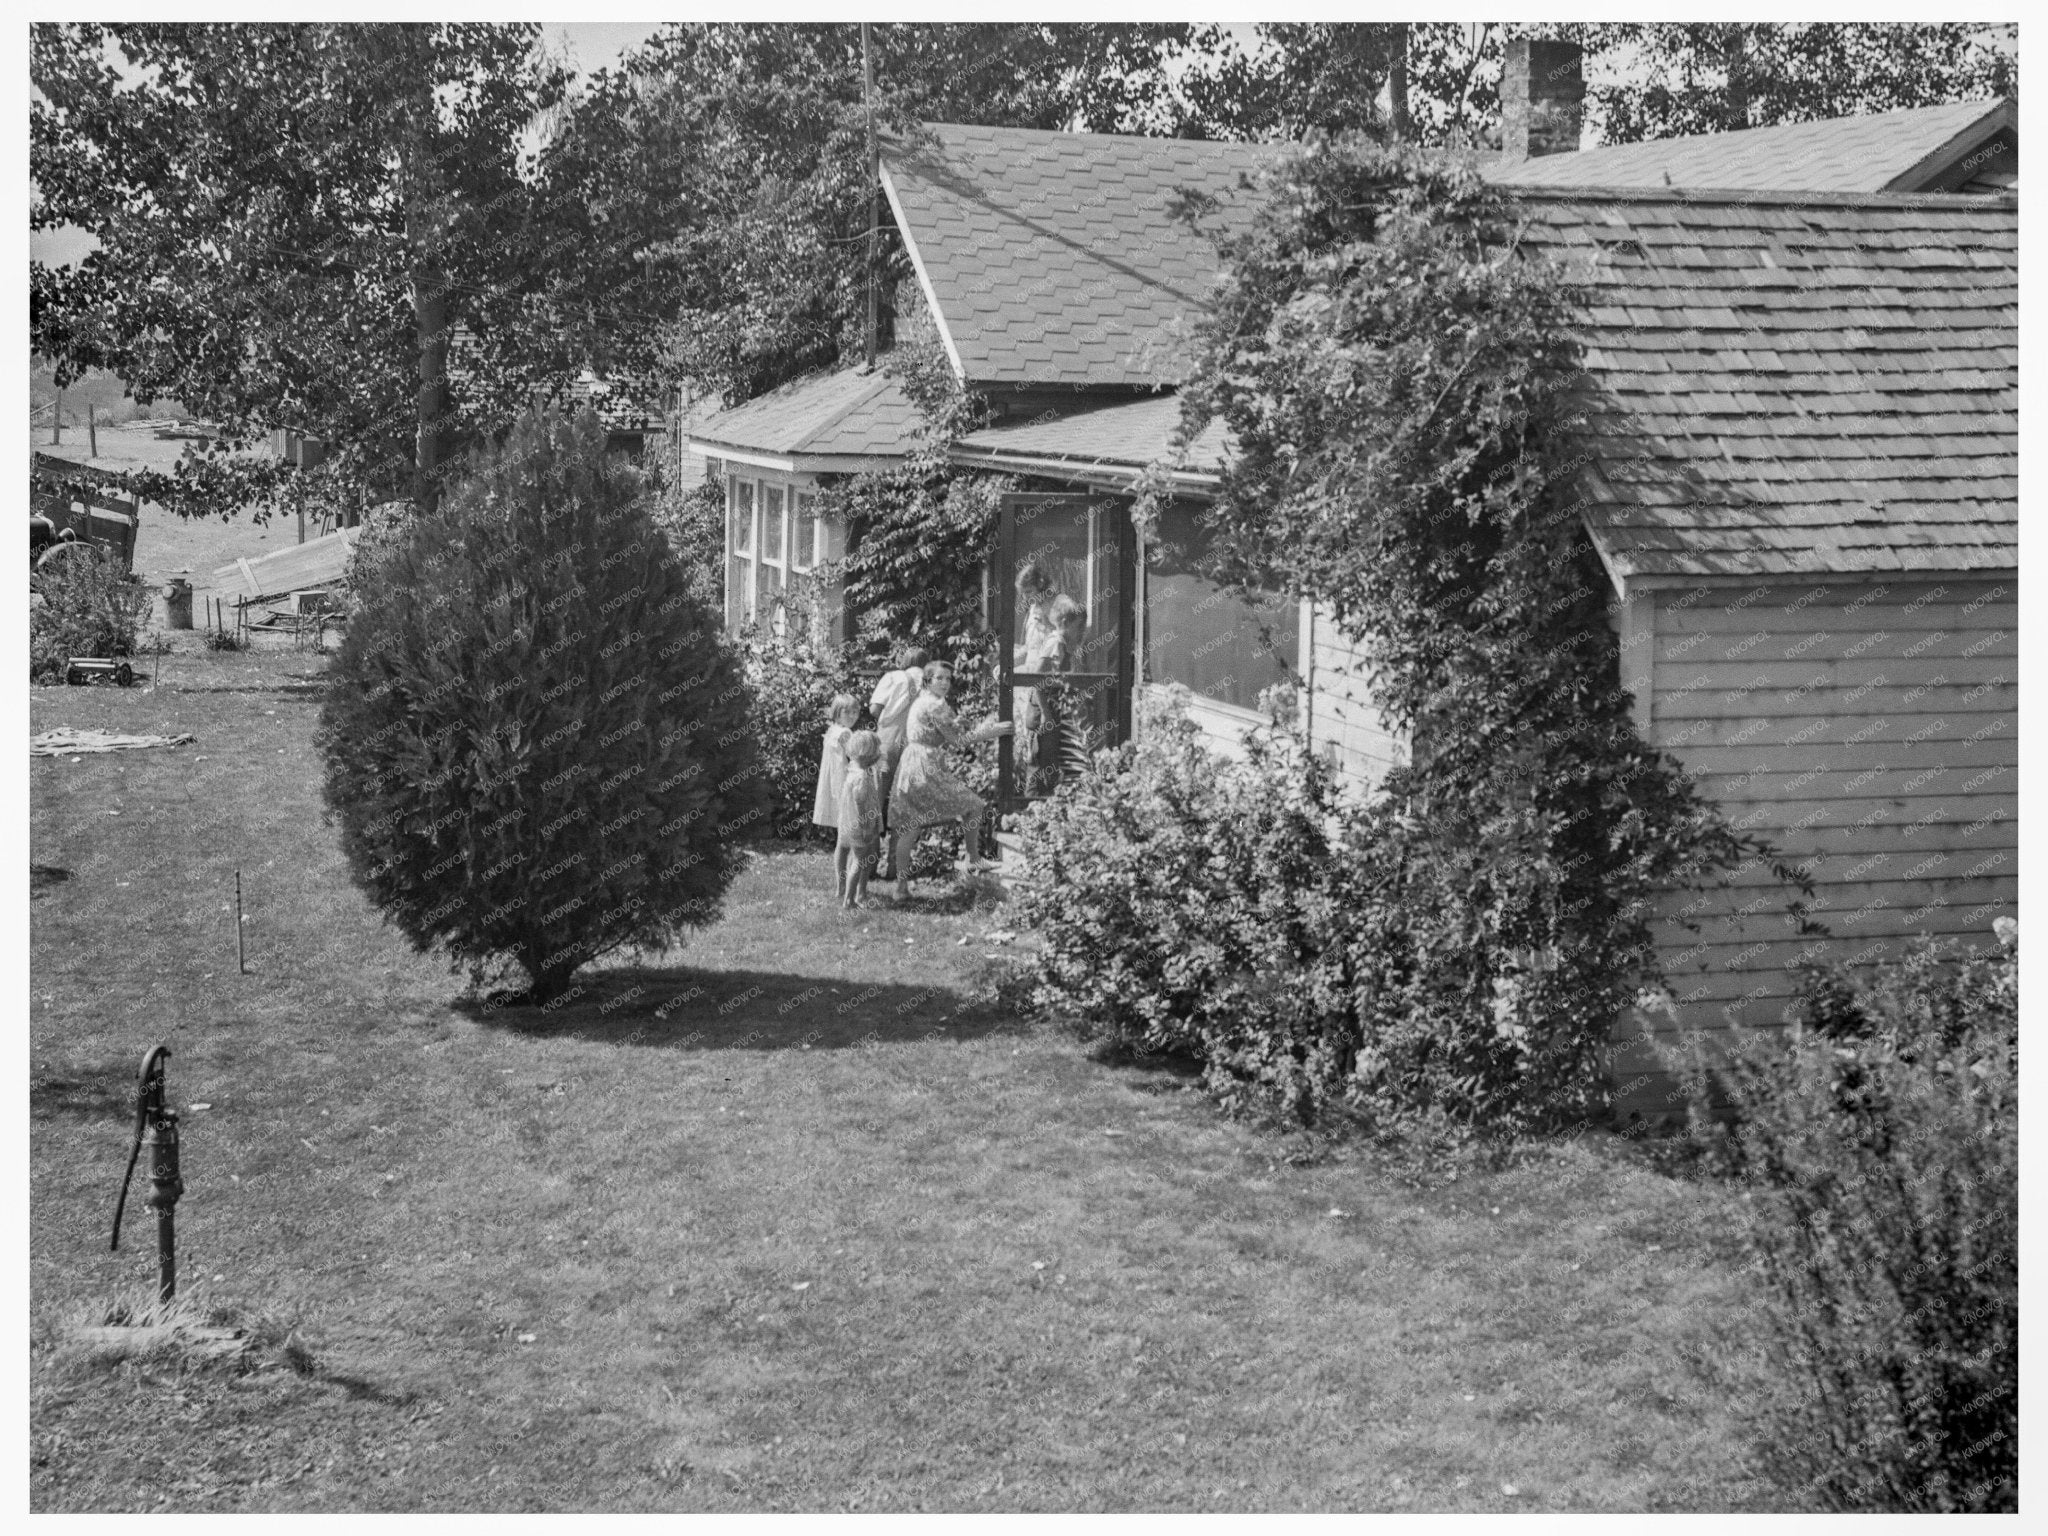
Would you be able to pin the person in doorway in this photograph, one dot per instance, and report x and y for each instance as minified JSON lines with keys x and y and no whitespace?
{"x":926,"y":792}
{"x":1036,"y":595}
{"x":1044,"y":710}
{"x":893,"y":696}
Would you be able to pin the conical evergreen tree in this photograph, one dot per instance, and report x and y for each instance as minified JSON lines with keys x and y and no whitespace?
{"x":537,"y":743}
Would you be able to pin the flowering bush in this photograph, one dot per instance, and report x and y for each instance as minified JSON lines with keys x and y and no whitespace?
{"x":1880,"y":1142}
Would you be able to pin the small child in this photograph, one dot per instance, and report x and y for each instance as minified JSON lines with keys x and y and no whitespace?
{"x":860,"y":819}
{"x":844,"y":711}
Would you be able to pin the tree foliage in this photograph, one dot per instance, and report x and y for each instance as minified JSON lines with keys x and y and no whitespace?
{"x":537,"y":743}
{"x":291,"y":221}
{"x":1708,"y":77}
{"x":1440,"y":81}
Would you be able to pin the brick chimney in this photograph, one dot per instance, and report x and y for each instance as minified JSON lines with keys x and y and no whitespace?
{"x":1542,"y":98}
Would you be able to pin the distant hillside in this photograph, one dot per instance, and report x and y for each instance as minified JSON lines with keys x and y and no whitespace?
{"x":98,"y":389}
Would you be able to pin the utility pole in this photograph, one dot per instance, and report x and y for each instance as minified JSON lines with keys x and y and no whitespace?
{"x":57,"y":418}
{"x":867,"y":70}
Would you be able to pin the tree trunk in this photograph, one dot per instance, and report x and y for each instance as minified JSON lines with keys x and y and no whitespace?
{"x":1736,"y":52}
{"x":1397,"y":81}
{"x":430,"y":316}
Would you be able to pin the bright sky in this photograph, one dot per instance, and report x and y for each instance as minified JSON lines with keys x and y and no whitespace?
{"x":596,"y":44}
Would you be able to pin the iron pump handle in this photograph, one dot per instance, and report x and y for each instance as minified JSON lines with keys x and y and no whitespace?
{"x":149,"y":1112}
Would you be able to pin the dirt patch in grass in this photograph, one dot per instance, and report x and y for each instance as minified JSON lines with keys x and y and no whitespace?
{"x":792,"y":1218}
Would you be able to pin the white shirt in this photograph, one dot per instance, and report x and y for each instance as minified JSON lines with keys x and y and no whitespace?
{"x":894,"y":695}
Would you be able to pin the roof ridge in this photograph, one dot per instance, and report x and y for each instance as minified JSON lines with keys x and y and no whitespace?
{"x":1762,"y":196}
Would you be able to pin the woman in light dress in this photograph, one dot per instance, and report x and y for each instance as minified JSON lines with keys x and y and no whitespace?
{"x":926,"y":792}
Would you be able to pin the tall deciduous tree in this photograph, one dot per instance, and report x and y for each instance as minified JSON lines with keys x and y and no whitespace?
{"x":292,"y":221}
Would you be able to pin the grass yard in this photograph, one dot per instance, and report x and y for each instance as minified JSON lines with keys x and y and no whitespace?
{"x":794,"y":1220}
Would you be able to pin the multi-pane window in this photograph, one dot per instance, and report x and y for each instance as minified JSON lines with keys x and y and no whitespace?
{"x":774,"y":552}
{"x":774,"y":542}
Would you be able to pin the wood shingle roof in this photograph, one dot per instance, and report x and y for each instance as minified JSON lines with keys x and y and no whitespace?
{"x":1788,"y":385}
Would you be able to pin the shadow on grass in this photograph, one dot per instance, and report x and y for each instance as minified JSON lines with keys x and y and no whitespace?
{"x":42,"y":876}
{"x":285,"y":689}
{"x":97,"y":1091}
{"x":677,"y":1008}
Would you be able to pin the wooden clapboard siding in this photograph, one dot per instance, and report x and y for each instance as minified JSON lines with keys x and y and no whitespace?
{"x":1343,"y":722}
{"x":1868,"y":730}
{"x":1938,"y":696}
{"x":1676,"y":654}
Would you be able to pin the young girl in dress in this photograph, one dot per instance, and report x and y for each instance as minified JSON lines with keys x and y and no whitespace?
{"x":860,"y":819}
{"x":842,"y":714}
{"x":926,"y":791}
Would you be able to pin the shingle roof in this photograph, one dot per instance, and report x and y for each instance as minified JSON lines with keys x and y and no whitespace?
{"x":853,"y":413}
{"x":1797,"y":386}
{"x":1054,"y":258}
{"x":1880,"y":152}
{"x":1119,"y":440}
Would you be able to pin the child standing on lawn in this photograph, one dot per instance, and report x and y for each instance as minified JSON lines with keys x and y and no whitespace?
{"x":860,"y":819}
{"x":841,"y":715}
{"x":894,"y":695}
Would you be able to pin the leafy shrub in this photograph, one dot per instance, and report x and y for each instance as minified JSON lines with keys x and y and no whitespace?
{"x":1316,"y":954}
{"x":82,"y":604}
{"x":790,"y":685}
{"x":1880,"y":1141}
{"x":537,"y":744}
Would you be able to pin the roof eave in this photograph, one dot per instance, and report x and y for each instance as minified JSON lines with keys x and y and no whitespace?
{"x":1106,"y":472}
{"x":2003,"y":116}
{"x":1764,"y":197}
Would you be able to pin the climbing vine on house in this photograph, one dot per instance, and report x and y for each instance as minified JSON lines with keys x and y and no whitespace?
{"x":1402,"y":384}
{"x":919,"y":533}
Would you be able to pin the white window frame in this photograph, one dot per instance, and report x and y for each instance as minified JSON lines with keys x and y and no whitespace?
{"x":778,"y":561}
{"x":748,"y":560}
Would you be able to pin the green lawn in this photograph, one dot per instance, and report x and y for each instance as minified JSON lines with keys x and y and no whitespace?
{"x":792,"y":1220}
